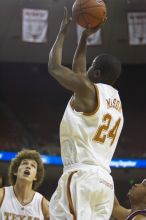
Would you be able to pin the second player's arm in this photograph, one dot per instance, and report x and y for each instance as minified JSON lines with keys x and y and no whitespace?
{"x":79,"y":60}
{"x":119,"y":212}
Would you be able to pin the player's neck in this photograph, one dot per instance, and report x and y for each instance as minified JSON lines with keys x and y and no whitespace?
{"x":23,"y":192}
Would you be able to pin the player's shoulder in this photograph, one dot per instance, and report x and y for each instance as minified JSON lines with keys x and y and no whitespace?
{"x":45,"y":201}
{"x":139,"y":217}
{"x":42,"y":198}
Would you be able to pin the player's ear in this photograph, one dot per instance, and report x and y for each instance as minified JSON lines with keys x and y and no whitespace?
{"x":97,"y":73}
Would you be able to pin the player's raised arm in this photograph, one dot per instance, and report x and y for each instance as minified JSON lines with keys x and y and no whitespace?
{"x":61,"y":73}
{"x":65,"y":76}
{"x":55,"y":56}
{"x":90,"y":15}
{"x":55,"y":67}
{"x":79,"y":61}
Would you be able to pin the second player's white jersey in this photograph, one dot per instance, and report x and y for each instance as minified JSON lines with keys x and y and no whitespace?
{"x":11,"y":208}
{"x":91,"y":139}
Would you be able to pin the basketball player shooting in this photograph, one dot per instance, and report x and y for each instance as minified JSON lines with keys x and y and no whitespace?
{"x":89,"y":131}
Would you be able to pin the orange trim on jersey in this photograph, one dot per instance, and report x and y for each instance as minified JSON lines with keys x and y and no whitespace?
{"x":71,"y":207}
{"x":2,"y":197}
{"x":97,"y":108}
{"x":42,"y":207}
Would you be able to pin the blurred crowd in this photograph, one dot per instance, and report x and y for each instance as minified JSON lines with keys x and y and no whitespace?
{"x":36,"y":131}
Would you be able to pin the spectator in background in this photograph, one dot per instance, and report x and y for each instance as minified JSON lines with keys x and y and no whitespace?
{"x":137,"y":198}
{"x":20,"y":200}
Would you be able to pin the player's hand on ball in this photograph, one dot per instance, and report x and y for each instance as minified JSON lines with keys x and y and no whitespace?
{"x":89,"y":31}
{"x":65,"y":24}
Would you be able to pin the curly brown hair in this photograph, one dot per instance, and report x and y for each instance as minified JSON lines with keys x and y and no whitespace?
{"x":27,"y":154}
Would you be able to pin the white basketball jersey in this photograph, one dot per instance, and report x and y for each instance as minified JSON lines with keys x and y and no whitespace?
{"x":12,"y":209}
{"x":92,"y":139}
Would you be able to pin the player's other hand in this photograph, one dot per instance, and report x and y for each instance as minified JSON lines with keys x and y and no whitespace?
{"x":66,"y":21}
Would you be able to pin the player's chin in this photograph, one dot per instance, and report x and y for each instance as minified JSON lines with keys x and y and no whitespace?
{"x":131,"y":193}
{"x":26,"y":177}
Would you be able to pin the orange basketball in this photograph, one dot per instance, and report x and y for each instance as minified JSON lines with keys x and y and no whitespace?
{"x":89,"y":13}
